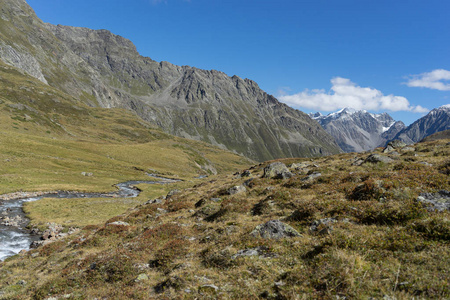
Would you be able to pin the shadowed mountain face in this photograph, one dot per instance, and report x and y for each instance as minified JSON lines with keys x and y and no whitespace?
{"x":357,"y":131}
{"x":105,"y":70}
{"x":435,"y":121}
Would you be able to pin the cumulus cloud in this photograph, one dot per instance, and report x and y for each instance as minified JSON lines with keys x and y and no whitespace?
{"x":345,"y":93}
{"x":433,"y":80}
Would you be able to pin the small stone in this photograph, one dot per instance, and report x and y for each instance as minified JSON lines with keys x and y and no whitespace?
{"x":236,"y":190}
{"x":119,"y":223}
{"x":208,"y":288}
{"x":141,"y":277}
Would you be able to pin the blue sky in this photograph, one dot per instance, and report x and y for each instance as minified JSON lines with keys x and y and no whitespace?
{"x":315,"y":55}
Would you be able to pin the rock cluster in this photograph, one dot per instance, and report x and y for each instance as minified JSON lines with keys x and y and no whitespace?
{"x":439,"y":201}
{"x":274,"y":229}
{"x":277,"y":170}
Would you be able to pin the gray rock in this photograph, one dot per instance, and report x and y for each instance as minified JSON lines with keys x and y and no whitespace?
{"x":439,"y":201}
{"x":388,"y":149}
{"x":236,"y":190}
{"x":141,"y":277}
{"x":312,"y":176}
{"x":208,"y":288}
{"x":119,"y":223}
{"x":377,"y":158}
{"x":246,"y":252}
{"x":156,"y":201}
{"x":323,"y":225}
{"x":274,"y":229}
{"x":277,"y":170}
{"x":258,"y":251}
{"x":396,"y":144}
{"x":172,"y":193}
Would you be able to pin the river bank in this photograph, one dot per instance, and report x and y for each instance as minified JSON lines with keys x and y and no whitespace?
{"x":14,"y":234}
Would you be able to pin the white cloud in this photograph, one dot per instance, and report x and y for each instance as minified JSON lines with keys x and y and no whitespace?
{"x":345,"y":93}
{"x":432,"y":80}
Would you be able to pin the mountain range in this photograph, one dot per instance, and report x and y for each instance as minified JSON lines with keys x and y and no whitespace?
{"x":357,"y":131}
{"x":105,"y":70}
{"x":436,"y":120}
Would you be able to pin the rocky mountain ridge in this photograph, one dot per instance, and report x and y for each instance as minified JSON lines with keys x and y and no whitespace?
{"x":105,"y":70}
{"x":436,"y":120}
{"x":357,"y":131}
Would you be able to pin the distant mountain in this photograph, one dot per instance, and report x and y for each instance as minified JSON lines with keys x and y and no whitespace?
{"x":435,"y":121}
{"x":357,"y":131}
{"x":105,"y":70}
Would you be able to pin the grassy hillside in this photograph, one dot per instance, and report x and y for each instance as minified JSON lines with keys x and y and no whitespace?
{"x":374,"y":239}
{"x":47,"y":138}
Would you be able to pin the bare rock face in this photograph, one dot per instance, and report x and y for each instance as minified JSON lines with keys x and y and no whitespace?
{"x":357,"y":131}
{"x":103,"y":69}
{"x":437,"y":120}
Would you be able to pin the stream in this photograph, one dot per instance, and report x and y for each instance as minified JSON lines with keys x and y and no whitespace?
{"x":14,"y":236}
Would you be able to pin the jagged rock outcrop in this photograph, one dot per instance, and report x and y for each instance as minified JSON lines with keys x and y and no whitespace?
{"x":103,"y":69}
{"x":357,"y":131}
{"x":435,"y":121}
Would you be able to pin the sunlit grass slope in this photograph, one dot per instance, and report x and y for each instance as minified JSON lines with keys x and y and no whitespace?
{"x":379,"y":242}
{"x":48,"y":138}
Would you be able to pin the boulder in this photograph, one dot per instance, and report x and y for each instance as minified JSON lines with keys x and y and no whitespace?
{"x":236,"y":190}
{"x":312,"y":176}
{"x":277,"y":170}
{"x":439,"y":201}
{"x":274,"y":229}
{"x":396,"y":144}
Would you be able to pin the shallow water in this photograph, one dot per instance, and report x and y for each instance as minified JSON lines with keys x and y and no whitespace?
{"x":14,"y":239}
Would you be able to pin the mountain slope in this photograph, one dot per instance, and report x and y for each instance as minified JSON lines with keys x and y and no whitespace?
{"x":435,"y":121}
{"x":357,"y":131}
{"x":47,"y":139}
{"x":103,"y":69}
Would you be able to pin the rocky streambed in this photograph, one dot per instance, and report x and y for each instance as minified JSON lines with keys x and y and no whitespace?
{"x":15,"y":237}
